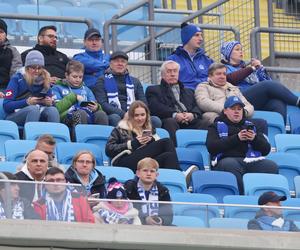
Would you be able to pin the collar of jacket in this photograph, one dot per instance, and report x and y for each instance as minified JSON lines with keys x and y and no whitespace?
{"x":181,"y":50}
{"x":45,"y":49}
{"x":164,"y":84}
{"x":95,"y":54}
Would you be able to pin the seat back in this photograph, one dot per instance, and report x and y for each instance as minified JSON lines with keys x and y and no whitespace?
{"x":162,"y":133}
{"x":122,"y":174}
{"x":229,"y":223}
{"x":288,"y":143}
{"x":8,"y":131}
{"x":291,"y":214}
{"x":216,"y":183}
{"x":173,"y":179}
{"x":65,"y":151}
{"x":294,"y":120}
{"x":187,"y":221}
{"x":9,"y":166}
{"x":60,"y":132}
{"x":258,"y":183}
{"x":188,"y":157}
{"x":15,"y":150}
{"x":297,"y":186}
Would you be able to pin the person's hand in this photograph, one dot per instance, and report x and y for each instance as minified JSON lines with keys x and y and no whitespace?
{"x":2,"y":95}
{"x":47,"y":101}
{"x":250,"y":134}
{"x":93,"y":107}
{"x":143,"y":139}
{"x":54,"y":79}
{"x":151,"y":220}
{"x":255,"y":63}
{"x":179,"y":117}
{"x":188,"y":117}
{"x":33,"y":100}
{"x":79,"y":98}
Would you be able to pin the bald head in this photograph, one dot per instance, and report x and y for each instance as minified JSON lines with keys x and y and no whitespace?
{"x":37,"y":164}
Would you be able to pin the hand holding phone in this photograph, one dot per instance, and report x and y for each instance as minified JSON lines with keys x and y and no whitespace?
{"x":85,"y":104}
{"x":147,"y":132}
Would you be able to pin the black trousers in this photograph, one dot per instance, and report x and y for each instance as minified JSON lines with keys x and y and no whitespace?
{"x":162,"y":150}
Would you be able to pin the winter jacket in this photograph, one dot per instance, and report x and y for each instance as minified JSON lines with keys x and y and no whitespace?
{"x":102,"y":213}
{"x":122,"y":141}
{"x":55,"y":61}
{"x":65,"y":97}
{"x":10,"y":62}
{"x":101,"y":94}
{"x":211,"y":98}
{"x":231,"y":146}
{"x":95,"y":63}
{"x":265,"y":222}
{"x":18,"y":91}
{"x":165,"y":211}
{"x":97,"y":185}
{"x":82,"y":211}
{"x":162,"y":101}
{"x":192,"y":70}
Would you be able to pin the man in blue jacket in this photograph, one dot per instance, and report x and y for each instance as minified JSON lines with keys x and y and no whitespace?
{"x":94,"y":60}
{"x":191,"y":57}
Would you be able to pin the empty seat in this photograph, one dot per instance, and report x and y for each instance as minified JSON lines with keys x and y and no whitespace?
{"x":188,"y":157}
{"x":258,"y":183}
{"x":60,"y":3}
{"x":275,"y":123}
{"x":32,"y":131}
{"x":8,"y":131}
{"x":9,"y":166}
{"x":288,"y":164}
{"x":297,"y":185}
{"x":162,"y":133}
{"x":228,"y":223}
{"x":240,"y":211}
{"x":216,"y":183}
{"x":291,"y":214}
{"x":294,"y":120}
{"x":122,"y":174}
{"x":193,"y":138}
{"x":187,"y":221}
{"x":173,"y":179}
{"x":15,"y":150}
{"x":65,"y":151}
{"x":288,"y":143}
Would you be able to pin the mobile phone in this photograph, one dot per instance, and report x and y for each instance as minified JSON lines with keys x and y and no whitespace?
{"x":85,"y":104}
{"x":147,"y":132}
{"x":157,"y":219}
{"x":250,"y":127}
{"x":96,"y":195}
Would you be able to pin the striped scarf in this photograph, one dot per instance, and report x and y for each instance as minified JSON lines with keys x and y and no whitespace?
{"x":17,"y":210}
{"x":149,"y":209}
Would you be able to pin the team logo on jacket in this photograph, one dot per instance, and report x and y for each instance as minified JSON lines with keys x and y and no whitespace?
{"x":65,"y":91}
{"x":8,"y":93}
{"x":201,"y":66}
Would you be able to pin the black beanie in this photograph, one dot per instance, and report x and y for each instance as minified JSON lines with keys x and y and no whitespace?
{"x":3,"y":25}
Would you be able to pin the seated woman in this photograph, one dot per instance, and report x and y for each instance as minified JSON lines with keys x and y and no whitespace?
{"x":28,"y":95}
{"x":82,"y":171}
{"x":117,"y":211}
{"x":268,"y":95}
{"x":134,"y":139}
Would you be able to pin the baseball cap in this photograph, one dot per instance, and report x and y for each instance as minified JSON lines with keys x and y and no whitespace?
{"x":91,"y":32}
{"x":270,"y":197}
{"x":118,"y":54}
{"x":233,"y":100}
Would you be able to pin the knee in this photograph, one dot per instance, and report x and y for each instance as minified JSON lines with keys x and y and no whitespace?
{"x":270,"y":167}
{"x":229,"y":164}
{"x":156,"y":122}
{"x":101,"y":118}
{"x":114,"y":119}
{"x":170,"y":122}
{"x":33,"y":109}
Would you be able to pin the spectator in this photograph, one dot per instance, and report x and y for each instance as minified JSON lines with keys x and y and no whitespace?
{"x":20,"y":208}
{"x":55,"y":61}
{"x":75,"y":101}
{"x":236,"y":145}
{"x":28,"y":95}
{"x":46,"y":143}
{"x":34,"y":170}
{"x":94,"y":60}
{"x":172,"y":103}
{"x":146,"y":188}
{"x":83,"y":171}
{"x":268,"y":95}
{"x":118,"y":211}
{"x":134,"y":139}
{"x":59,"y":203}
{"x":191,"y":57}
{"x":271,"y":219}
{"x":10,"y":58}
{"x":117,"y":90}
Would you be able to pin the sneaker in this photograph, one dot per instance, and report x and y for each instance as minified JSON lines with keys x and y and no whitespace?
{"x":188,"y":173}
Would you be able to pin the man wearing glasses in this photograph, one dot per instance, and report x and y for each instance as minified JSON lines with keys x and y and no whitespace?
{"x":55,"y":61}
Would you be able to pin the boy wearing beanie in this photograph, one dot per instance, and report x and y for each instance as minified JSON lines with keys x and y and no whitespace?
{"x":145,"y":187}
{"x":191,"y":57}
{"x":10,"y":58}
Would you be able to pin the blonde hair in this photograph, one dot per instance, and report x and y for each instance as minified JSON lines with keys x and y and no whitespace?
{"x":130,"y":121}
{"x":147,"y":162}
{"x":44,"y":73}
{"x":83,"y":152}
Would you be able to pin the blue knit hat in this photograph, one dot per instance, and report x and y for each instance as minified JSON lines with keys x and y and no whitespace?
{"x":188,"y":31}
{"x":227,"y":48}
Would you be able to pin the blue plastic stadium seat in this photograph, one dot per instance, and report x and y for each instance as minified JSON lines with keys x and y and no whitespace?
{"x":187,"y":221}
{"x":288,"y":143}
{"x":275,"y":123}
{"x":162,"y":133}
{"x":2,"y":112}
{"x":65,"y":151}
{"x":103,"y":5}
{"x":258,"y":183}
{"x":32,"y":131}
{"x":291,"y":214}
{"x":202,"y":211}
{"x":216,"y":183}
{"x":229,"y":223}
{"x":239,"y":211}
{"x":173,"y":179}
{"x":60,"y":3}
{"x":188,"y":157}
{"x":15,"y":150}
{"x":193,"y":138}
{"x":122,"y":174}
{"x":9,"y":166}
{"x":294,"y":120}
{"x":8,"y":131}
{"x":297,"y":185}
{"x":288,"y":164}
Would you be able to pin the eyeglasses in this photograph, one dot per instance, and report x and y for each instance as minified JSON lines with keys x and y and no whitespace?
{"x":86,"y":162}
{"x":35,"y":67}
{"x":51,"y":36}
{"x":61,"y":180}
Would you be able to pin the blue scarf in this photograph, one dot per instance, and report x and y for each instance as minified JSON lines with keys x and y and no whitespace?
{"x":251,"y":154}
{"x":149,"y":209}
{"x":273,"y":224}
{"x":111,"y":88}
